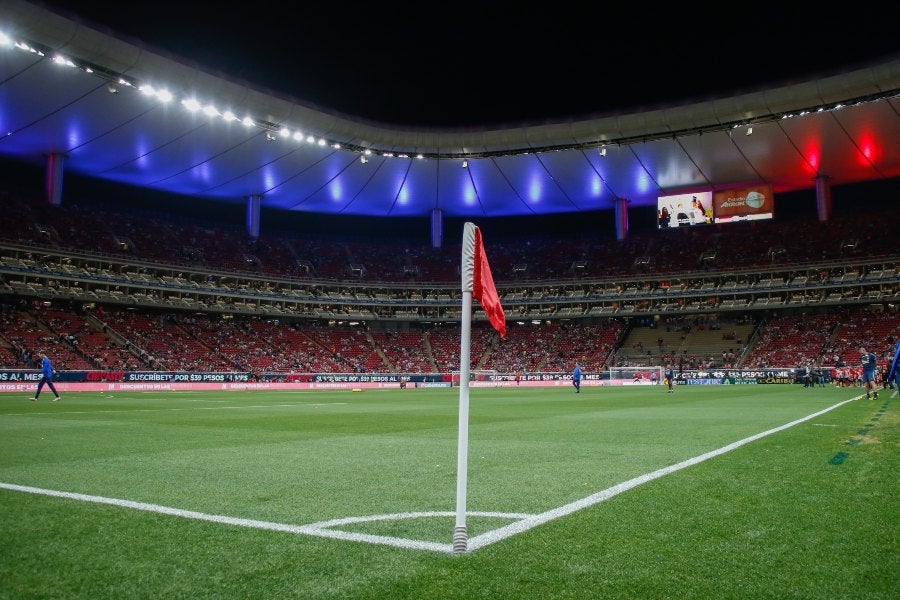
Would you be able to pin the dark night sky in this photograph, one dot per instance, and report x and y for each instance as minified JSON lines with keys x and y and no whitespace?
{"x":440,"y":64}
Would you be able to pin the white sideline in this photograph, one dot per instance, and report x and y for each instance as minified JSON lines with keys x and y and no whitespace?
{"x":523,"y":523}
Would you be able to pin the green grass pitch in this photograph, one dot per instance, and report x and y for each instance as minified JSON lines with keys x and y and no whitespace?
{"x":712,"y":492}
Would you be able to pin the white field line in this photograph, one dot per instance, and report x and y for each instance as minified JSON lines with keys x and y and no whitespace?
{"x":190,"y":408}
{"x":323,"y":529}
{"x":501,"y":533}
{"x":190,"y":514}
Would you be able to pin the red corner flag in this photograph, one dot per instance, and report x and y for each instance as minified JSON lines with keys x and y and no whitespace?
{"x":477,"y":278}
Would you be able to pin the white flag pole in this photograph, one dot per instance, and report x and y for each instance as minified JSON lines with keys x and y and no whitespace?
{"x":460,"y":535}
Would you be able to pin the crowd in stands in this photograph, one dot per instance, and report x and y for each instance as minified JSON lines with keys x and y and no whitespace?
{"x":116,"y":339}
{"x":123,"y":231}
{"x":109,"y":337}
{"x":794,"y":340}
{"x":693,"y":341}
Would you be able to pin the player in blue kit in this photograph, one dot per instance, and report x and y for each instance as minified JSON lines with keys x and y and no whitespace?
{"x":46,"y":378}
{"x":576,"y":378}
{"x":893,"y":376}
{"x":868,"y":361}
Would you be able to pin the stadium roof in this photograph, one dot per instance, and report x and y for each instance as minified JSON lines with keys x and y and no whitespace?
{"x":98,"y":99}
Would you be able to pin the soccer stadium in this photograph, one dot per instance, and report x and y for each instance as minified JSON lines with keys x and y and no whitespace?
{"x":254,"y":347}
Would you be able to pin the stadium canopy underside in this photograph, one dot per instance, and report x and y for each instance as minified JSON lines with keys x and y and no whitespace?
{"x":105,"y":108}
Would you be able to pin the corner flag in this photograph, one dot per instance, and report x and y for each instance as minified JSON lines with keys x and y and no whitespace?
{"x":477,"y":281}
{"x":477,"y":278}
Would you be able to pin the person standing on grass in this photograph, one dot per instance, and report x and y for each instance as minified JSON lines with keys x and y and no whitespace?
{"x":868,"y":361}
{"x":576,"y":378}
{"x":893,"y":377}
{"x":46,"y":377}
{"x":670,"y":378}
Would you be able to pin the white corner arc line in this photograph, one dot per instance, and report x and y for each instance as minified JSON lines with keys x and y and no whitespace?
{"x":312,"y":530}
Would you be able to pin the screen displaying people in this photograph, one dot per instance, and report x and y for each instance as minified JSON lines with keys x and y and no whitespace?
{"x":684,"y":210}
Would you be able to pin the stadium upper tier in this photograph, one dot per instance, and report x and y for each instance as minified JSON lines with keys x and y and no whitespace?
{"x":116,"y":254}
{"x":201,"y":243}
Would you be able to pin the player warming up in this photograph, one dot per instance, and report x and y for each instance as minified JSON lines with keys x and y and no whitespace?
{"x":868,"y":360}
{"x":576,"y":378}
{"x":46,"y":378}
